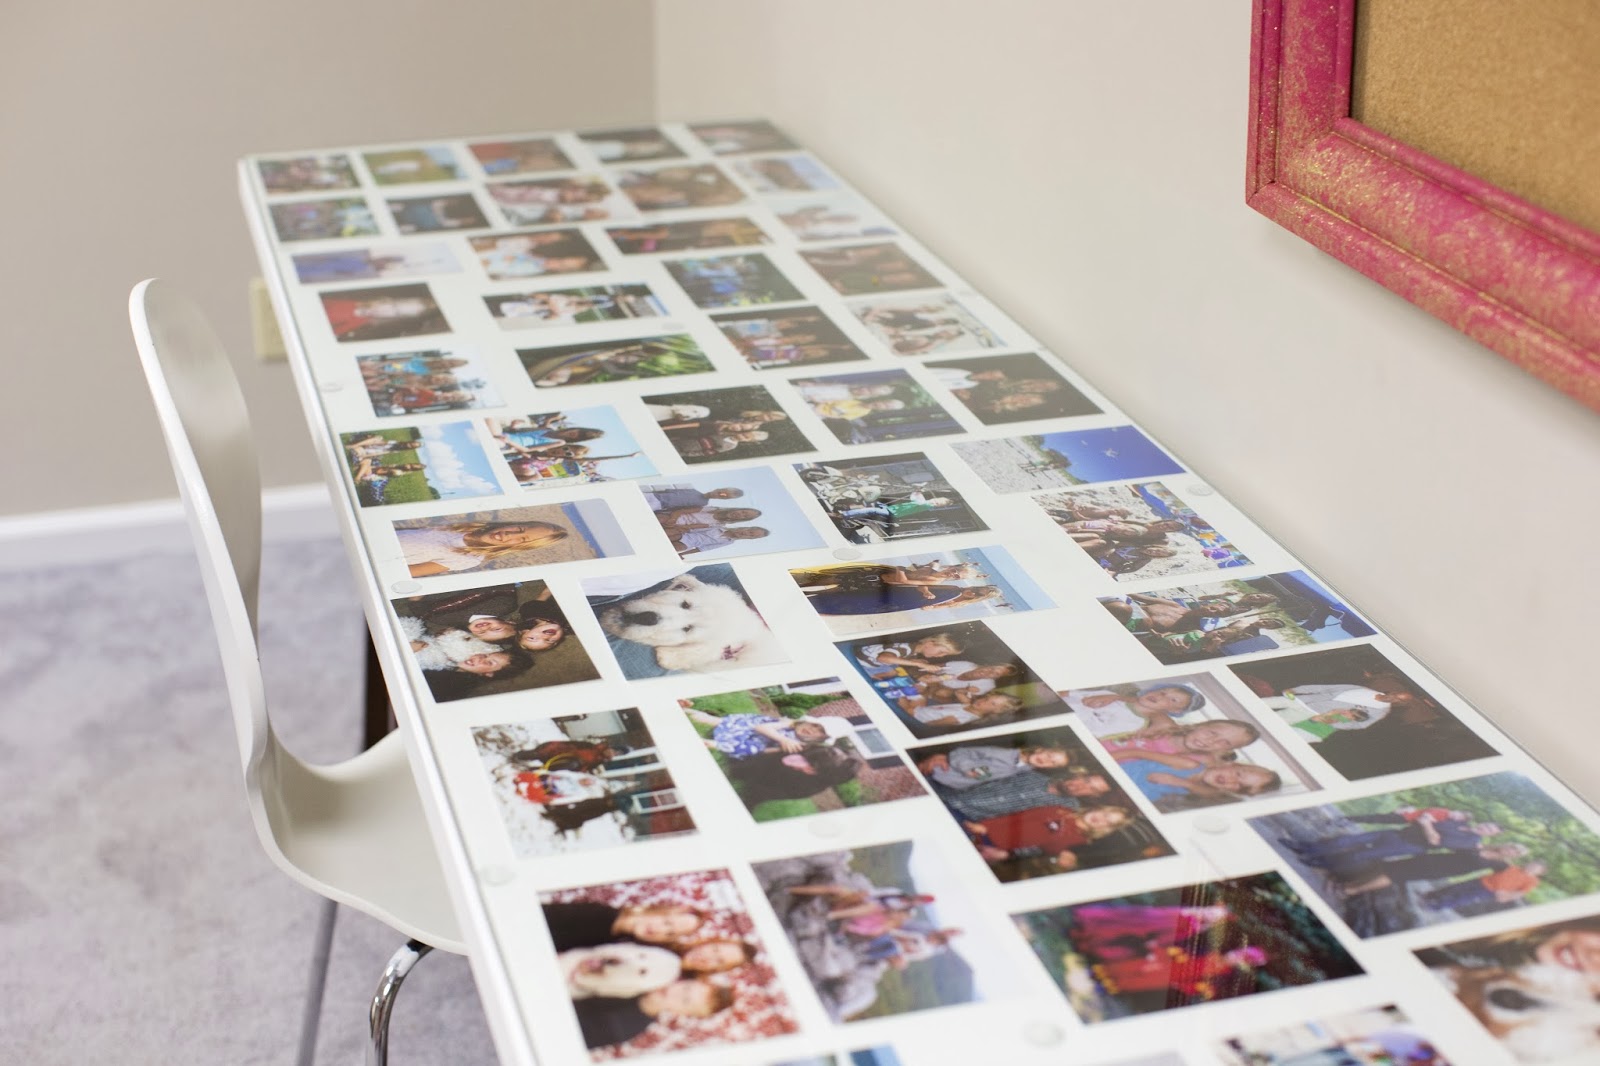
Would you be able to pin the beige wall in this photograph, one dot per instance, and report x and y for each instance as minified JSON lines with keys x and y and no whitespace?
{"x":120,"y":124}
{"x":1083,"y":164}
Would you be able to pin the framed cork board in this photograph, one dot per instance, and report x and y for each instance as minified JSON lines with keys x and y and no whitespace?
{"x":1446,"y":150}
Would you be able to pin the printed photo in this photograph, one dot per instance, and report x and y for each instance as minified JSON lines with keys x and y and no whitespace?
{"x":575,"y":198}
{"x":367,"y":264}
{"x":1066,"y":459}
{"x":307,"y":173}
{"x":799,"y":749}
{"x":888,"y":497}
{"x":924,"y":325}
{"x":405,"y":383}
{"x":413,"y":464}
{"x":1037,"y":803}
{"x":679,"y":186}
{"x":731,"y":281}
{"x":383,"y":313}
{"x":1176,"y":947}
{"x":785,"y":173}
{"x":569,"y":307}
{"x":560,"y":448}
{"x":872,"y":1056}
{"x":867,"y":268}
{"x":310,"y":220}
{"x":732,"y":512}
{"x":503,"y":638}
{"x":1001,"y":389}
{"x":407,"y":165}
{"x":513,"y":536}
{"x":429,"y":214}
{"x":1381,"y":1036}
{"x":716,"y":425}
{"x":1438,"y":853}
{"x":904,"y":591}
{"x":794,"y":336}
{"x":1186,"y":743}
{"x":867,"y":929}
{"x":630,"y":146}
{"x":832,"y":218}
{"x":664,"y":964}
{"x":580,"y":783}
{"x":633,"y":359}
{"x":668,"y":622}
{"x":533,"y":156}
{"x":1240,"y":617}
{"x":694,"y":235}
{"x":509,"y":256}
{"x":876,"y":406}
{"x":1365,"y":716}
{"x":951,"y":679}
{"x":1136,"y":532}
{"x":733,"y":138}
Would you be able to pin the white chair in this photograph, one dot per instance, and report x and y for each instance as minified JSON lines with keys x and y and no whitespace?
{"x":353,"y":832}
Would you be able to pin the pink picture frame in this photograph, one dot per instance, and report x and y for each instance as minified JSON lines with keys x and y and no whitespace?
{"x":1512,"y":276}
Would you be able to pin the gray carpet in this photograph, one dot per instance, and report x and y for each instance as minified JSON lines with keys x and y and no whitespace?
{"x":139,"y":920}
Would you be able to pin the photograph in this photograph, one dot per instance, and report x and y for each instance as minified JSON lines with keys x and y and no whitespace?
{"x":1365,"y":716}
{"x":1186,"y":743}
{"x":666,"y":622}
{"x":793,"y":336}
{"x":837,"y":217}
{"x":401,"y":166}
{"x":731,"y":281}
{"x":509,"y":256}
{"x":906,"y":591}
{"x":307,"y":173}
{"x":408,"y":464}
{"x":437,"y":379}
{"x":1238,"y":617}
{"x":867,"y":928}
{"x":430,"y":214}
{"x":502,"y":638}
{"x":1066,"y":459}
{"x":1037,"y":803}
{"x":532,"y":156}
{"x":731,"y":512}
{"x":1437,"y":853}
{"x":311,"y":220}
{"x":575,"y":198}
{"x":368,"y":264}
{"x":876,"y":406}
{"x":631,"y":359}
{"x":569,"y":307}
{"x":1532,"y":990}
{"x":733,"y":138}
{"x":718,"y":425}
{"x":871,"y":1056}
{"x":785,"y":173}
{"x":384,"y":313}
{"x":860,"y":269}
{"x":1379,"y":1036}
{"x":638,"y":145}
{"x":951,"y":679}
{"x":1177,"y":947}
{"x":797,"y":749}
{"x":580,"y":783}
{"x":512,"y":536}
{"x":888,"y":497}
{"x":555,"y":449}
{"x":1140,"y":531}
{"x":665,"y":964}
{"x":924,"y":325}
{"x":693,"y":235}
{"x":1002,"y":389}
{"x":679,"y":186}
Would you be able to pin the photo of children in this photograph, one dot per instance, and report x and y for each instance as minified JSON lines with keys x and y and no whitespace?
{"x":794,"y":336}
{"x":1176,"y":947}
{"x":950,"y":679}
{"x":1037,"y":803}
{"x":508,"y":256}
{"x":404,"y":166}
{"x":502,"y":638}
{"x":731,"y":512}
{"x":1194,"y":622}
{"x":797,"y":749}
{"x":876,"y":406}
{"x":630,"y":146}
{"x":411,"y":464}
{"x":693,"y":235}
{"x":904,"y":591}
{"x":731,"y":281}
{"x":532,"y":156}
{"x":568,"y":307}
{"x":436,"y":379}
{"x":680,"y":186}
{"x":831,"y":218}
{"x":307,"y":173}
{"x":367,"y":264}
{"x":576,"y":198}
{"x":669,"y":355}
{"x":743,"y":422}
{"x":514,"y":536}
{"x":555,"y":449}
{"x":1380,"y":1036}
{"x":666,"y":622}
{"x":1066,"y":459}
{"x":785,"y":173}
{"x":1365,"y":716}
{"x":663,"y":964}
{"x":888,"y":497}
{"x":1532,"y":990}
{"x":1438,"y":853}
{"x":310,"y":220}
{"x":923,"y":325}
{"x":859,"y":269}
{"x":868,"y":931}
{"x":1186,"y":743}
{"x":1140,"y":531}
{"x":383,"y":313}
{"x":1001,"y":389}
{"x":732,"y":138}
{"x":429,"y":214}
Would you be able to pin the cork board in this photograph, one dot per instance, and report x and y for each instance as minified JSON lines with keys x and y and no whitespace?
{"x":1509,"y":92}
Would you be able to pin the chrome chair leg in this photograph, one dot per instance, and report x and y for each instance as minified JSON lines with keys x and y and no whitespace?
{"x":383,"y":1001}
{"x":311,"y":1019}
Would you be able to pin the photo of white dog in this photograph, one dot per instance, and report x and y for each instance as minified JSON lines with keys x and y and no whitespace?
{"x":618,"y":970}
{"x":700,"y":621}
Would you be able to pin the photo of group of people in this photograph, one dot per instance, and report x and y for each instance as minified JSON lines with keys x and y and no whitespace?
{"x":888,"y":497}
{"x":1136,"y":532}
{"x":369,"y":264}
{"x":574,"y":198}
{"x":314,"y":220}
{"x":1001,"y":389}
{"x":689,"y":236}
{"x":556,"y":448}
{"x":835,"y":217}
{"x":436,"y":379}
{"x":785,"y":173}
{"x":533,"y":155}
{"x":404,"y":166}
{"x":875,"y":406}
{"x":569,"y":307}
{"x":1382,"y":1036}
{"x":1065,"y":459}
{"x":509,"y":256}
{"x":669,"y":355}
{"x":433,"y":214}
{"x":442,"y":461}
{"x":673,"y":188}
{"x":734,"y":512}
{"x":716,"y":425}
{"x":735,"y":138}
{"x":745,"y":280}
{"x":924,"y":325}
{"x":307,"y":173}
{"x":510,"y":537}
{"x":794,"y":336}
{"x":861,"y":269}
{"x":383,"y":313}
{"x":699,"y":620}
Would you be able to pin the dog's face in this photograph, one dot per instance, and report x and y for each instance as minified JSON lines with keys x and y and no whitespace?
{"x":1540,"y":1013}
{"x":692,"y":625}
{"x":622,"y":970}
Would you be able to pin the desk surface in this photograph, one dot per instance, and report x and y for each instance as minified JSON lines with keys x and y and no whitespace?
{"x":800,"y":661}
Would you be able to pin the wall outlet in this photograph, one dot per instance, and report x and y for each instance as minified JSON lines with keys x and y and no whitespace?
{"x":264,"y":324}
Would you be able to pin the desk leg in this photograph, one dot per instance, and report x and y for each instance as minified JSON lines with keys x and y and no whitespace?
{"x":378,"y":721}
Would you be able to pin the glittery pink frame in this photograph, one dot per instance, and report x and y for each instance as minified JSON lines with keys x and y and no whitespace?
{"x":1516,"y":278}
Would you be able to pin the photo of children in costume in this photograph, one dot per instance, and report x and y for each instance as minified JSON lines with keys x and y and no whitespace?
{"x":888,"y":497}
{"x":1137,"y":532}
{"x":793,"y":336}
{"x":925,"y":324}
{"x":742,"y":511}
{"x":876,"y":406}
{"x":1001,"y":389}
{"x":435,"y":379}
{"x":383,"y":313}
{"x":552,"y":449}
{"x":669,"y":355}
{"x":718,"y":425}
{"x":441,"y":461}
{"x":515,"y":536}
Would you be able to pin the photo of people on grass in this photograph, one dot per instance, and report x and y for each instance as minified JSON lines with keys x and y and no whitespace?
{"x":888,"y":497}
{"x":509,"y":256}
{"x":442,"y":461}
{"x":687,"y":236}
{"x":436,"y":379}
{"x":515,"y":536}
{"x":742,"y":511}
{"x":840,"y":216}
{"x":575,"y":198}
{"x":552,"y":449}
{"x":734,"y":138}
{"x":793,"y":336}
{"x":1066,"y":460}
{"x":745,"y":280}
{"x":405,"y":166}
{"x":432,"y":214}
{"x":370,"y":264}
{"x":307,"y":173}
{"x":924,"y":324}
{"x":533,"y":155}
{"x":383,"y":313}
{"x":632,"y":359}
{"x":679,"y":186}
{"x":861,"y":269}
{"x":1136,"y":532}
{"x":717,"y":425}
{"x":569,"y":307}
{"x":314,"y":220}
{"x":1000,"y":389}
{"x":876,"y":406}
{"x":1379,"y":1036}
